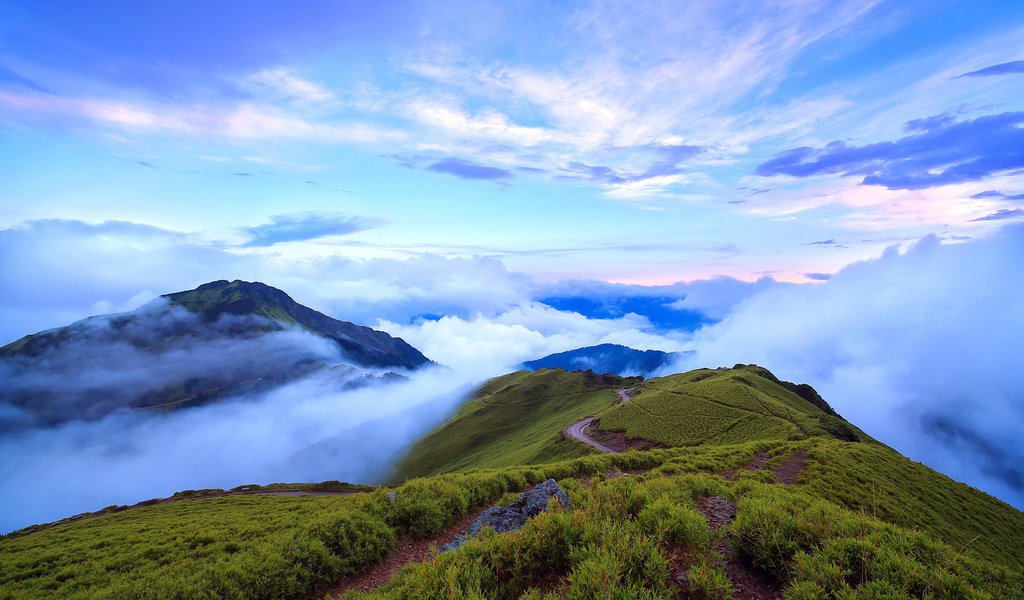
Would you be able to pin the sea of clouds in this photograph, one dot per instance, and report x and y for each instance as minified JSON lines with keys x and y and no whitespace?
{"x":919,"y":347}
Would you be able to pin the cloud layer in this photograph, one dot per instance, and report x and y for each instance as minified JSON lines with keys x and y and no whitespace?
{"x":938,"y":151}
{"x":306,"y":431}
{"x":921,"y":349}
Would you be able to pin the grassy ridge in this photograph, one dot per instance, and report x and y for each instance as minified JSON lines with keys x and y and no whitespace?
{"x":623,"y":535}
{"x":723,"y":406}
{"x":288,"y":547}
{"x":876,"y":480}
{"x":513,"y":419}
{"x":861,"y":521}
{"x":269,"y":546}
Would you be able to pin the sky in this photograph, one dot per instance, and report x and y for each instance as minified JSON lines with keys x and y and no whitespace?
{"x":834,"y":190}
{"x":569,"y":140}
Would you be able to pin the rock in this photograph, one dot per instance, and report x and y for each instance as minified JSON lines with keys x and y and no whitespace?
{"x":453,"y":544}
{"x":514,"y":516}
{"x":391,"y":496}
{"x":537,"y":499}
{"x":499,"y":518}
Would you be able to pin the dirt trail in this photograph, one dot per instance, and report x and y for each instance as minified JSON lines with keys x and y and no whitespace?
{"x":786,"y":473}
{"x":578,"y":429}
{"x":748,"y":583}
{"x":789,"y":471}
{"x":406,"y":550}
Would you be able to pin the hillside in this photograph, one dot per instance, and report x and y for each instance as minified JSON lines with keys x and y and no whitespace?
{"x":798,"y":510}
{"x":363,"y":345}
{"x":185,"y":349}
{"x":605,"y":358}
{"x":723,"y":406}
{"x":513,"y":419}
{"x":520,"y":418}
{"x":672,"y":523}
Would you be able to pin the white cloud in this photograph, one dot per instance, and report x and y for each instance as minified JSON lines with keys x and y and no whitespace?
{"x":284,"y":82}
{"x":304,"y":431}
{"x":909,"y":347}
{"x":485,"y":346}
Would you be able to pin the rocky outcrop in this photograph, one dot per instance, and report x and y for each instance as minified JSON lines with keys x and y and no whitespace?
{"x":513,"y":516}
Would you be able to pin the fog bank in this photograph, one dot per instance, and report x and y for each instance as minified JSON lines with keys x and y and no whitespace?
{"x":298,"y":432}
{"x":921,"y":349}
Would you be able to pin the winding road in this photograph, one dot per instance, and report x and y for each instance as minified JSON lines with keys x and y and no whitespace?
{"x":578,"y":430}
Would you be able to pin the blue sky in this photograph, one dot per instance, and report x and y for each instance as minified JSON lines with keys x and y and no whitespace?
{"x":834,"y":190}
{"x":647,"y":144}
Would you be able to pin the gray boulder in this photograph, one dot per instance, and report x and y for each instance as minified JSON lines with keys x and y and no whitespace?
{"x":513,"y":516}
{"x":536,"y":500}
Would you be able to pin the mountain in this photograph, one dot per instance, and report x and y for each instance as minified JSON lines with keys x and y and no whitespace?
{"x":520,"y":418}
{"x":186,"y":349}
{"x":734,"y":485}
{"x":365,"y":346}
{"x":513,"y":419}
{"x":605,"y":358}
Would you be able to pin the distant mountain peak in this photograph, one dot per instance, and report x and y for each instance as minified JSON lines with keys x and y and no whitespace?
{"x":606,"y":358}
{"x":365,"y":345}
{"x":220,"y":338}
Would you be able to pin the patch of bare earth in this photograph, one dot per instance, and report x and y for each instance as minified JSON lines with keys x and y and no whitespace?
{"x":617,"y":440}
{"x":789,"y":470}
{"x":748,"y":582}
{"x":406,"y":550}
{"x":756,"y":464}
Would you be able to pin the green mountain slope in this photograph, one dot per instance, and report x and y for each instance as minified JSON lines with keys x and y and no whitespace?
{"x":724,"y":406}
{"x":513,"y":419}
{"x":622,"y":538}
{"x":519,"y":418}
{"x":800,"y":508}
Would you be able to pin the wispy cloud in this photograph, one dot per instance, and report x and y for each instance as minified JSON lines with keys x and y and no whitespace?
{"x":1002,"y":215}
{"x":282,"y":81}
{"x":244,"y":121}
{"x":1007,"y":68}
{"x":465,"y":169}
{"x":939,"y":151}
{"x":306,"y":226}
{"x":997,"y":194}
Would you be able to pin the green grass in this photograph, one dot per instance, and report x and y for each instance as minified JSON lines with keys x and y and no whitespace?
{"x":878,"y":481}
{"x":723,"y":406}
{"x":862,"y":521}
{"x":515,"y":419}
{"x":618,"y":540}
{"x":289,"y":547}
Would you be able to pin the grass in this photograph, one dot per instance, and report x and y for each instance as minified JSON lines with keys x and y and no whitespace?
{"x":862,"y":521}
{"x":512,"y":420}
{"x":878,"y":481}
{"x":723,"y":406}
{"x":613,"y":543}
{"x":621,"y":536}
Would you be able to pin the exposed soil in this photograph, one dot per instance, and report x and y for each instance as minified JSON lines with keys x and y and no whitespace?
{"x":786,"y":472}
{"x":748,"y":582}
{"x":789,"y":471}
{"x":756,"y":464}
{"x":406,"y":550}
{"x":616,"y":439}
